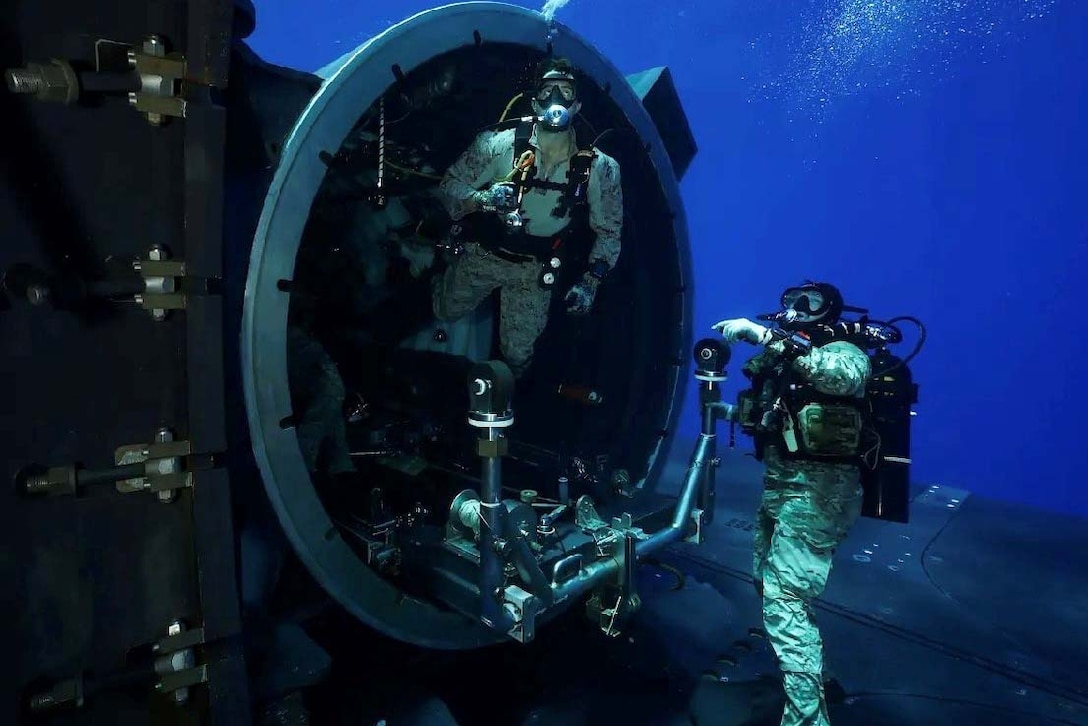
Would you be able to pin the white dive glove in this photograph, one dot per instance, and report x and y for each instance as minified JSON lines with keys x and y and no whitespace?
{"x":579,"y":299}
{"x":743,"y":329}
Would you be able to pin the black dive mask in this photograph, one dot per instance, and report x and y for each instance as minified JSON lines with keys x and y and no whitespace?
{"x":556,"y":103}
{"x":807,"y":306}
{"x":554,"y":96}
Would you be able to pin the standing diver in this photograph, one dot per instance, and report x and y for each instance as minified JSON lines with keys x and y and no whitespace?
{"x":806,"y":411}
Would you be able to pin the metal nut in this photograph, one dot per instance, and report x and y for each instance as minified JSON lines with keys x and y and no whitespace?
{"x":154,"y":46}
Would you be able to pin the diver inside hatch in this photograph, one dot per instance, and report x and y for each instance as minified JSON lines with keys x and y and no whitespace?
{"x":540,"y":194}
{"x":380,"y":247}
{"x":828,"y":423}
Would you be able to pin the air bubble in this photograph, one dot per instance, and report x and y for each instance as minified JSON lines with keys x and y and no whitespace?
{"x":849,"y":46}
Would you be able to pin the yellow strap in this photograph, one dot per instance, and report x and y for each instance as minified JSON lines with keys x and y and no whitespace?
{"x":527,"y":159}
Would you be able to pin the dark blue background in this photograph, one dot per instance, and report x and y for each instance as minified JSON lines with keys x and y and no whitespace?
{"x":929,"y":158}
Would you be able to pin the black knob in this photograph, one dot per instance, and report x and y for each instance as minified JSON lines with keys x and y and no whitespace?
{"x":711,"y":356}
{"x":490,"y":388}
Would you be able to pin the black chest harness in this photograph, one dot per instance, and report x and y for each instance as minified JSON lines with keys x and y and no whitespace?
{"x":511,"y":242}
{"x":800,"y":422}
{"x":573,"y":198}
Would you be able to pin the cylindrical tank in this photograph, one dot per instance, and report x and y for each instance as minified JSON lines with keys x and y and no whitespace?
{"x":631,"y":352}
{"x":891,"y":392}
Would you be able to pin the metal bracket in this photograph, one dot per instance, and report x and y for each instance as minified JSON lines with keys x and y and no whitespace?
{"x":175,"y":662}
{"x":625,"y":524}
{"x":161,"y":75}
{"x":696,"y":537}
{"x":585,"y":515}
{"x":163,"y":464}
{"x":161,"y":277}
{"x":609,"y":606}
{"x":610,"y":609}
{"x":522,"y":608}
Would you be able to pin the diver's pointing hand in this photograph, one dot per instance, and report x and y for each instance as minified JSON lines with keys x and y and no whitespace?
{"x":736,"y":329}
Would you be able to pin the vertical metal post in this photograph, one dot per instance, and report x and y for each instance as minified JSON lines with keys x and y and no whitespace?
{"x":707,"y":490}
{"x":711,"y":357}
{"x":490,"y":387}
{"x":491,"y":521}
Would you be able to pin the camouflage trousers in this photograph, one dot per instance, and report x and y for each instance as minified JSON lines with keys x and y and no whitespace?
{"x":523,"y":304}
{"x":806,"y":512}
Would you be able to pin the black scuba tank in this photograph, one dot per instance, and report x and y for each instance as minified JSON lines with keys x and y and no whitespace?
{"x":885,"y":472}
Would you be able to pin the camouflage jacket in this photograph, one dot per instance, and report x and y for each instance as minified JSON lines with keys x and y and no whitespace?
{"x":491,"y":158}
{"x":836,"y":369}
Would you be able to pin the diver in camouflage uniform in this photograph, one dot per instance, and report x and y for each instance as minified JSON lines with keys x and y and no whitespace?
{"x":805,"y":411}
{"x":513,"y":196}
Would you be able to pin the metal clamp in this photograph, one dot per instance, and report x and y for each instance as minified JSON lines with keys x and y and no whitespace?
{"x":175,"y":662}
{"x":161,"y":277}
{"x":162,"y":464}
{"x":611,"y":605}
{"x":699,"y":519}
{"x":157,"y":467}
{"x":625,"y":525}
{"x":522,"y":608}
{"x":152,"y":78}
{"x":161,"y":75}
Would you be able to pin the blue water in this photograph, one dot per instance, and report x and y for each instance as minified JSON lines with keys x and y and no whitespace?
{"x":929,"y":158}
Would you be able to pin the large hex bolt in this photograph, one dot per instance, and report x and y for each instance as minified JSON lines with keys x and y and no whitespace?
{"x":64,"y":693}
{"x":55,"y":82}
{"x":56,"y":481}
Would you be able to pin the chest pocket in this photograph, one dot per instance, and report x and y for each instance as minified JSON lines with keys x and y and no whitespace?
{"x":829,"y":429}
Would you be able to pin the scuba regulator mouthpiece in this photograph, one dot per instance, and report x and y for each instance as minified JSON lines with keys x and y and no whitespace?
{"x":785,"y":316}
{"x":556,"y":117}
